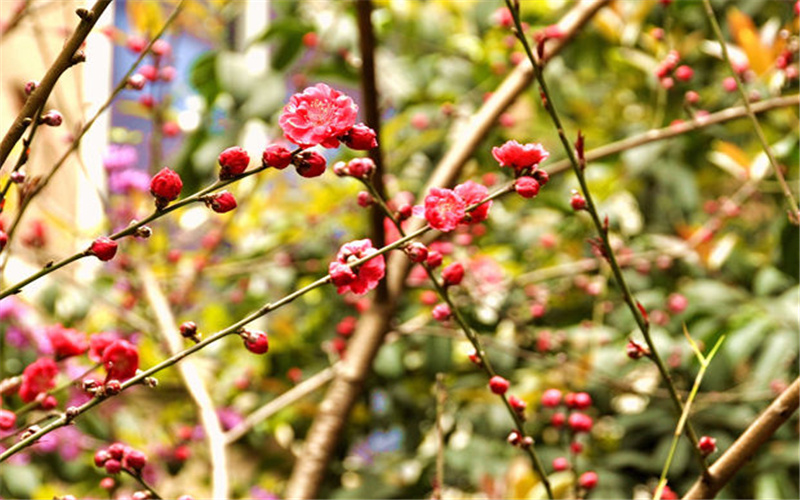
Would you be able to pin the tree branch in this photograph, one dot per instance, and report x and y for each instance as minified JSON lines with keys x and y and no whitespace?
{"x":748,"y":443}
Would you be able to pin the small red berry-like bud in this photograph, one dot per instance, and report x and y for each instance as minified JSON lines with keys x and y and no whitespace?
{"x":171,"y":129}
{"x":135,"y":459}
{"x":182,"y":453}
{"x":310,"y":164}
{"x":514,"y":438}
{"x":360,"y":137}
{"x":453,"y":274}
{"x":140,"y":495}
{"x":101,"y":457}
{"x":104,"y":248}
{"x":117,"y":451}
{"x":526,"y":186}
{"x":220,"y":202}
{"x":558,"y":419}
{"x":341,"y":274}
{"x":360,"y":168}
{"x":346,"y":326}
{"x":729,"y":84}
{"x":113,"y":466}
{"x":255,"y":341}
{"x":7,"y":420}
{"x":52,"y":118}
{"x":48,"y":402}
{"x":149,"y":72}
{"x":588,"y":480}
{"x":581,"y":401}
{"x":417,"y":252}
{"x":161,"y":48}
{"x":30,"y":87}
{"x":233,"y":161}
{"x":276,"y":156}
{"x":517,"y":404}
{"x":576,"y":447}
{"x":365,"y":199}
{"x":692,"y":97}
{"x":551,"y":398}
{"x":147,"y":101}
{"x":167,"y":73}
{"x":560,"y":463}
{"x":3,"y":240}
{"x":580,"y":422}
{"x":442,"y":312}
{"x":677,"y":303}
{"x":188,"y":329}
{"x":667,"y":82}
{"x":707,"y":445}
{"x":136,"y":82}
{"x":578,"y":202}
{"x":541,"y":177}
{"x":498,"y":384}
{"x":434,"y":258}
{"x":684,"y":73}
{"x":526,"y":442}
{"x":108,"y":483}
{"x":310,"y":39}
{"x":165,"y":186}
{"x":136,"y":43}
{"x":405,"y":211}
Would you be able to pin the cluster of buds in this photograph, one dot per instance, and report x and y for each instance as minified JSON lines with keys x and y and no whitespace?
{"x":516,"y":439}
{"x":668,"y":68}
{"x":360,"y":168}
{"x":344,"y":329}
{"x":118,"y":456}
{"x":97,"y":389}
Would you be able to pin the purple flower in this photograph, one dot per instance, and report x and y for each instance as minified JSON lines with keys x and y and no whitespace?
{"x":125,"y":181}
{"x":120,"y":157}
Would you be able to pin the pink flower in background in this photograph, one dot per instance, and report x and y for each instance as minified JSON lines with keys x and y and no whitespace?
{"x":471,"y":193}
{"x":128,"y":180}
{"x":367,"y":275}
{"x":518,"y":156}
{"x":120,"y":157}
{"x":38,"y":377}
{"x":318,"y":115}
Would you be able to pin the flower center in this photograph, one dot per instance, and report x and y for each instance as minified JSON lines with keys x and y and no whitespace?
{"x":319,"y":111}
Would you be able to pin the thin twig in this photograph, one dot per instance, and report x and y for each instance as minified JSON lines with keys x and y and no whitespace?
{"x":794,"y":212}
{"x":168,"y":328}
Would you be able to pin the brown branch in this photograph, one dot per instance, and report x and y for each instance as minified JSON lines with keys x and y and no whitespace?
{"x":748,"y":443}
{"x":193,"y":380}
{"x":321,"y":439}
{"x":39,"y":96}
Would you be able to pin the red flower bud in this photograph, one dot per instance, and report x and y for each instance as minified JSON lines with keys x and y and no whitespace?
{"x":707,"y":445}
{"x":121,"y":360}
{"x":517,"y":404}
{"x":551,"y":398}
{"x":276,"y":156}
{"x":578,"y":202}
{"x":365,"y":199}
{"x":360,"y":168}
{"x":165,"y":186}
{"x":360,"y":137}
{"x":341,"y":274}
{"x":684,"y":73}
{"x":135,"y":459}
{"x":104,"y":248}
{"x":113,"y":387}
{"x":434,"y":258}
{"x":7,"y":420}
{"x":101,"y":457}
{"x":220,"y":202}
{"x":149,"y":71}
{"x":560,"y":463}
{"x":527,"y":187}
{"x":136,"y":82}
{"x":498,"y":384}
{"x":256,"y":341}
{"x":417,"y":252}
{"x":113,"y":466}
{"x":453,"y":274}
{"x":580,"y":422}
{"x":52,"y":118}
{"x":188,"y":329}
{"x":233,"y":161}
{"x":588,"y":480}
{"x":310,"y":164}
{"x":442,"y":312}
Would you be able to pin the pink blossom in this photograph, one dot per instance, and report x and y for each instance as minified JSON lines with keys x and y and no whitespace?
{"x":471,"y":193}
{"x":66,"y":342}
{"x":366,"y":276}
{"x":444,"y":209}
{"x":520,"y":157}
{"x":318,"y":115}
{"x":38,"y":377}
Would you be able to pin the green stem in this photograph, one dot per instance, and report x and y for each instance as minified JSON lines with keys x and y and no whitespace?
{"x":627,"y":295}
{"x":794,"y":213}
{"x":139,"y":479}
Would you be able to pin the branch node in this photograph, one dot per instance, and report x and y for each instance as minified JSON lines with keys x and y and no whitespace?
{"x":85,"y":15}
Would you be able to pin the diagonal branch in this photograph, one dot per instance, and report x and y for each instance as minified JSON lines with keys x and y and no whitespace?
{"x":63,"y":62}
{"x":748,"y":443}
{"x":193,"y":380}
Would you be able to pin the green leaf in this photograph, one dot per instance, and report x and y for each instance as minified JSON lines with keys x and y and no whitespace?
{"x":287,"y":39}
{"x":203,"y":76}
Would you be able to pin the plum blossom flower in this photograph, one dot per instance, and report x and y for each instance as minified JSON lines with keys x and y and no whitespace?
{"x":66,"y":342}
{"x":362,"y":278}
{"x":471,"y":193}
{"x":318,"y":115}
{"x":443,"y":209}
{"x":520,"y":157}
{"x":38,"y":377}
